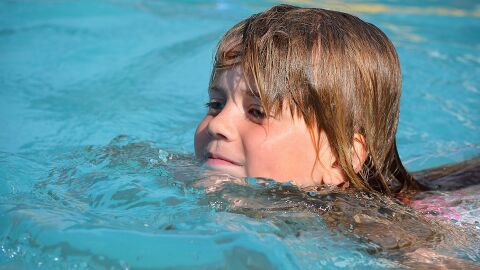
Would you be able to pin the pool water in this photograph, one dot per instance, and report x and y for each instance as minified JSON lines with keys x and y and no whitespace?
{"x":99,"y":103}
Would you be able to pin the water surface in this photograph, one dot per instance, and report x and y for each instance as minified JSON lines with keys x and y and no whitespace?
{"x":99,"y":103}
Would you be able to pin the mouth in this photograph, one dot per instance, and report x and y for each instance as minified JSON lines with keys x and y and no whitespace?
{"x":217,"y":160}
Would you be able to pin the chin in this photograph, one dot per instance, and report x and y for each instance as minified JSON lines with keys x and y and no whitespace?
{"x":224,"y":170}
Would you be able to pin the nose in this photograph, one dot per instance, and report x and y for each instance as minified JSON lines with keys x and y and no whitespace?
{"x":222,"y":125}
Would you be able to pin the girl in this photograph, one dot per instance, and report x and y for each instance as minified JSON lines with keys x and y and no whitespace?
{"x":312,"y":96}
{"x":305,"y":95}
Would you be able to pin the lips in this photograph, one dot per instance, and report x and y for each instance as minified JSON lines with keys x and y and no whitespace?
{"x":215,"y":159}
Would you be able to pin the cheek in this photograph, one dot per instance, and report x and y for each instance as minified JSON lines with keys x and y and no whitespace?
{"x":282,"y":156}
{"x":201,"y":137}
{"x":265,"y":154}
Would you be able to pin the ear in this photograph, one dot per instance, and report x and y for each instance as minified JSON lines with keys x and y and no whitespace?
{"x":359,"y":151}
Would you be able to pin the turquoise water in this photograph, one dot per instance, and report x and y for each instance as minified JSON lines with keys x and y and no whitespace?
{"x":99,"y":103}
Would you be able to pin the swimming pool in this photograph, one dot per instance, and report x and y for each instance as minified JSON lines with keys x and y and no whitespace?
{"x":99,"y":103}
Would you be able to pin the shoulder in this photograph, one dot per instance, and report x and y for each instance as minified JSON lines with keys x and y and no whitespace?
{"x":451,"y":177}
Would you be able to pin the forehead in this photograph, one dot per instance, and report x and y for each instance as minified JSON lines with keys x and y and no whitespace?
{"x":232,"y":80}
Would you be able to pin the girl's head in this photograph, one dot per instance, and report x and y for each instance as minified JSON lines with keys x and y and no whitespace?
{"x":308,"y":95}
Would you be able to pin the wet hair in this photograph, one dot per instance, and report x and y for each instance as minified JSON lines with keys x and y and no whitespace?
{"x":340,"y":74}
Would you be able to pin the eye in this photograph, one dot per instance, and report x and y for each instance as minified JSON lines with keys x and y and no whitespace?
{"x":214,"y":106}
{"x":257,"y":113}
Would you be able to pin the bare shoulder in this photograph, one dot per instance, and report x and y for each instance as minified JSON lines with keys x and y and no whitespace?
{"x":451,"y":177}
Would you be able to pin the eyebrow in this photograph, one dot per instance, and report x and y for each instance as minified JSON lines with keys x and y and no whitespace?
{"x":216,"y":88}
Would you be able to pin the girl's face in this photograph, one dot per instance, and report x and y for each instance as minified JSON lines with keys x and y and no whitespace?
{"x":239,"y":138}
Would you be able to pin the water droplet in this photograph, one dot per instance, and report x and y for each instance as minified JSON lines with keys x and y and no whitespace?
{"x":163,"y":155}
{"x":153,"y":161}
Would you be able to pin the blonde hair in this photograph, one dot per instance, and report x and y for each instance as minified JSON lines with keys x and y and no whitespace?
{"x":341,"y":74}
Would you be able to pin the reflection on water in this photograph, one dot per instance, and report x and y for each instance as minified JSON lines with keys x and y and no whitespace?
{"x":382,"y":8}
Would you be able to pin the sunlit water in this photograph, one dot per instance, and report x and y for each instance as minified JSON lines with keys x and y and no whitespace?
{"x":98,"y":105}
